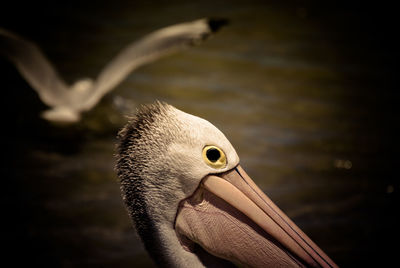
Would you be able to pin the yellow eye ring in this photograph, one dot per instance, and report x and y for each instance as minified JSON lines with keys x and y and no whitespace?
{"x":214,"y":156}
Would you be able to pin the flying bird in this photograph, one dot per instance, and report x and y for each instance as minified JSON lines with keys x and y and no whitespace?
{"x":67,"y":102}
{"x":192,"y":203}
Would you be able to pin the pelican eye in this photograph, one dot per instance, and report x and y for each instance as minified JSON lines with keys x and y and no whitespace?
{"x":214,"y":156}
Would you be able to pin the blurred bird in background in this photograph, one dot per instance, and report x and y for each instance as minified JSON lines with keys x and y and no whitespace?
{"x":67,"y":102}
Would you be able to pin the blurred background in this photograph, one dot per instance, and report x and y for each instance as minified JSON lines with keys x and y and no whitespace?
{"x":304,"y":90}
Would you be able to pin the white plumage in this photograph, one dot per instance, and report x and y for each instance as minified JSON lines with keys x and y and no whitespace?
{"x":67,"y":102}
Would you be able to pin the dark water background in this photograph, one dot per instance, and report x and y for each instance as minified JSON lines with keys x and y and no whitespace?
{"x":305,"y":91}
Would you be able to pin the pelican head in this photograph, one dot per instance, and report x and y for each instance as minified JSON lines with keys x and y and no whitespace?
{"x":192,"y":203}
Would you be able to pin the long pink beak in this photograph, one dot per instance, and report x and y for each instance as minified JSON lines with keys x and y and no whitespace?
{"x":231,"y":218}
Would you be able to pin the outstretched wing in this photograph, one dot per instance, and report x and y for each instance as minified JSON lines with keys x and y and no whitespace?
{"x":150,"y":48}
{"x":34,"y":67}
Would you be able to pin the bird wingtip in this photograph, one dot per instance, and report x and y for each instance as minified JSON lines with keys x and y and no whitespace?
{"x":216,"y":23}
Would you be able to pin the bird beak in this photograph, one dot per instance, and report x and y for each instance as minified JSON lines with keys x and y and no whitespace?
{"x":231,"y":218}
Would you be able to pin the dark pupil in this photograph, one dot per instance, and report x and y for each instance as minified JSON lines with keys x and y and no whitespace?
{"x":213,"y":154}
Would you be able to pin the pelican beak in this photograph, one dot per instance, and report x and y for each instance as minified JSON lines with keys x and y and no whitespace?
{"x":231,"y":218}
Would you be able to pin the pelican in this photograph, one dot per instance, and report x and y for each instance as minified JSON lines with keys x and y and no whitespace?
{"x":192,"y":203}
{"x":68,"y":102}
